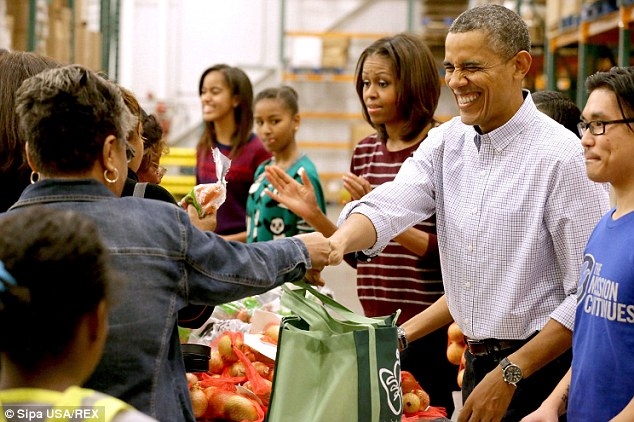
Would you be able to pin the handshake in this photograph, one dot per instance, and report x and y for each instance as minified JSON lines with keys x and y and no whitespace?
{"x":322,"y":252}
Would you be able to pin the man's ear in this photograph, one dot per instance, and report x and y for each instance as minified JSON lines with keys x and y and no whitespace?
{"x":523,"y":61}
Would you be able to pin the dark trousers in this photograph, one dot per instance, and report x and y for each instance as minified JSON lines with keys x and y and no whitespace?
{"x":530,"y":392}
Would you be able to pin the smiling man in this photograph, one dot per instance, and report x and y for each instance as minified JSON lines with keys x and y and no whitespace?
{"x":514,"y":209}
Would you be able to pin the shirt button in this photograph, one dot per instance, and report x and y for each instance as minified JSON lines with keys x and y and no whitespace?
{"x":466,"y":320}
{"x":474,"y":210}
{"x":470,"y":248}
{"x":467,"y":284}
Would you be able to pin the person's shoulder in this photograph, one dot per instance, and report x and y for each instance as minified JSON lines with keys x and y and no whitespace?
{"x":372,"y":138}
{"x":454,"y":122}
{"x":552,"y":135}
{"x":128,"y":187}
{"x":123,"y":411}
{"x":451,"y":129}
{"x":158,"y":192}
{"x":367,"y":144}
{"x":309,"y":167}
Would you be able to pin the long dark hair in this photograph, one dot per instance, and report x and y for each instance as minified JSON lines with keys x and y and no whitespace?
{"x":15,"y":67}
{"x":240,"y":86}
{"x":417,"y":81}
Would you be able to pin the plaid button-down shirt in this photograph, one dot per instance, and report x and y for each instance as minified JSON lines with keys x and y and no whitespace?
{"x":513,"y":216}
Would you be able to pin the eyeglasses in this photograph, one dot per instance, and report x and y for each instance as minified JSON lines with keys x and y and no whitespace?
{"x":129,"y":152}
{"x":597,"y":127}
{"x":160,"y":171}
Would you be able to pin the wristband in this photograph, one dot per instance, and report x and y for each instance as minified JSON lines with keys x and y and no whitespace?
{"x":402,"y":338}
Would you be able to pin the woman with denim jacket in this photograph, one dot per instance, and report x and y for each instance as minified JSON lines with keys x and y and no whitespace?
{"x":76,"y":125}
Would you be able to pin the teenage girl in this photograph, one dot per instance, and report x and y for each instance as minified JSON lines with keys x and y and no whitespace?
{"x":226,"y":95}
{"x":277,"y":120}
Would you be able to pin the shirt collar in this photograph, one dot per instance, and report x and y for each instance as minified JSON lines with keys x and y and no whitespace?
{"x":501,"y":137}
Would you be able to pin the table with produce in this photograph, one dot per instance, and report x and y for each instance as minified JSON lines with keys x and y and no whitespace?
{"x":231,"y":363}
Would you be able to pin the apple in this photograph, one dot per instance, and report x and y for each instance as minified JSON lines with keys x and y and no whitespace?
{"x":459,"y":379}
{"x":411,"y":403}
{"x":455,"y":352}
{"x":272,"y":331}
{"x":423,"y":397}
{"x":454,"y":333}
{"x":408,"y":382}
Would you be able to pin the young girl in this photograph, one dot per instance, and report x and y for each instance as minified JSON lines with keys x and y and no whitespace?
{"x":226,"y":95}
{"x":277,"y":120}
{"x":53,"y":334}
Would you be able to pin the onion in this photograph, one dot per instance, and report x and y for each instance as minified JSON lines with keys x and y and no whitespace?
{"x":199,"y":401}
{"x":191,"y":379}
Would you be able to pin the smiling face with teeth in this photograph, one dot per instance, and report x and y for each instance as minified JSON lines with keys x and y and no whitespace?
{"x":487,"y":86}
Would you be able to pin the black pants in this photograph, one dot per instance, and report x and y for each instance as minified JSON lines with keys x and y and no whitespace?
{"x":530,"y":392}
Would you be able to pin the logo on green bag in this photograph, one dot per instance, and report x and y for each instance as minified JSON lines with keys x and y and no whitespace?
{"x":391,"y":383}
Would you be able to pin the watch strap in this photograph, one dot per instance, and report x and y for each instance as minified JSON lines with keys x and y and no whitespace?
{"x":402,"y":338}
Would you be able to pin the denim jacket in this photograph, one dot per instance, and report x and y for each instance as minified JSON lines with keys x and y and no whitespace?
{"x":168,"y":263}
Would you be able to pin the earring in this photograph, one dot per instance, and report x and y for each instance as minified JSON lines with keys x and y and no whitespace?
{"x":116,"y":175}
{"x":35,"y":176}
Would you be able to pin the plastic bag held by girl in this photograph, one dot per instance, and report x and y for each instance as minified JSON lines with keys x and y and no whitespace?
{"x":208,"y":197}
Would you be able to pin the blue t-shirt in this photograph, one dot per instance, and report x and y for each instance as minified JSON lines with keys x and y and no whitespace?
{"x":602,"y":381}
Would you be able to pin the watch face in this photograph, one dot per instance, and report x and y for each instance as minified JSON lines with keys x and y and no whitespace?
{"x":512,"y":374}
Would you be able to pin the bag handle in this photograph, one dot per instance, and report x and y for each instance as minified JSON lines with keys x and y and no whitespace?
{"x":317,"y":316}
{"x":344,"y":311}
{"x":314,"y":314}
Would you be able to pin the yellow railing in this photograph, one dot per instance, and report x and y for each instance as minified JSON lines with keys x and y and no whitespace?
{"x":180,"y":177}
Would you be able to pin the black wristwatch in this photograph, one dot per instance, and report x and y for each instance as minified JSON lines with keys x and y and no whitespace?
{"x":511,"y":373}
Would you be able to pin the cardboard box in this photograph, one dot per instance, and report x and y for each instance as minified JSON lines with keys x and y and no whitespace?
{"x":334,"y":52}
{"x":19,"y":10}
{"x":59,"y":40}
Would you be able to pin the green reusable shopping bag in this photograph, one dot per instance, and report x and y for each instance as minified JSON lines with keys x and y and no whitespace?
{"x":333,"y":364}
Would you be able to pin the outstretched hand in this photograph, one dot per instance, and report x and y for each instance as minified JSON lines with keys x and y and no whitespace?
{"x":318,"y":247}
{"x":298,"y":197}
{"x":357,"y":186}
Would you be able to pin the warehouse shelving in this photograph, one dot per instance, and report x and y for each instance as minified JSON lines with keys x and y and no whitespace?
{"x":600,"y":25}
{"x":94,"y":44}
